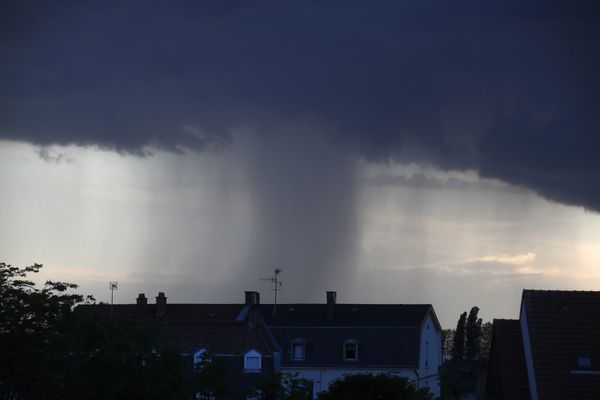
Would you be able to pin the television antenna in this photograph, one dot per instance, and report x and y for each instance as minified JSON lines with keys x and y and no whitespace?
{"x":276,"y":285}
{"x":112,"y":286}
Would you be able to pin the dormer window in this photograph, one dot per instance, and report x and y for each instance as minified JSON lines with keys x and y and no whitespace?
{"x":201,"y":358}
{"x":351,"y":350}
{"x":252,"y":361}
{"x":298,"y":349}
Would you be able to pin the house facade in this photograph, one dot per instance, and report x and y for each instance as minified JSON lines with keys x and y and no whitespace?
{"x":324,"y":342}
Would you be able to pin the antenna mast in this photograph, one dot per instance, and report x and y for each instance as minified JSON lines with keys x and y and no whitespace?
{"x":112,"y":285}
{"x":276,"y":285}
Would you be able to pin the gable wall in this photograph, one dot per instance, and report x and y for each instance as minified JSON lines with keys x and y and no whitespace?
{"x":430,"y":358}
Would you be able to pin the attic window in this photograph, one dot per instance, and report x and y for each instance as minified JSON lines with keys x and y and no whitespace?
{"x":351,"y":350}
{"x":584,"y":362}
{"x":252,"y":361}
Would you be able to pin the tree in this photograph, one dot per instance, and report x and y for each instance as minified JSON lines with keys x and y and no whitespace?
{"x":114,"y":358}
{"x":473,"y":335}
{"x":49,"y":352}
{"x":458,"y":348}
{"x":31,"y":321}
{"x":486,"y":339}
{"x":277,"y":386}
{"x":380,"y":387}
{"x":447,"y":343}
{"x":450,"y":386}
{"x":211,"y":378}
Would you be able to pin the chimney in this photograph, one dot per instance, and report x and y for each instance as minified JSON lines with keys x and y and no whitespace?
{"x":252,"y":298}
{"x":161,"y":304}
{"x":141,"y":300}
{"x":331,"y":296}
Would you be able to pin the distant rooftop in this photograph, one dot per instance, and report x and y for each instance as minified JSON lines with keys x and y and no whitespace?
{"x":174,"y":312}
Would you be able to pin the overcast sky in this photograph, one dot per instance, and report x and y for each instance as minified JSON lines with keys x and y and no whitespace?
{"x":418,"y":151}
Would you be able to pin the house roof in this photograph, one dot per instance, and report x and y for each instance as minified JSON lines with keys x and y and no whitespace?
{"x":324,"y":346}
{"x":346,"y":315}
{"x":190,"y":327}
{"x":564,"y":325}
{"x":508,"y":360}
{"x":217,"y":338}
{"x":174,"y":312}
{"x":387,"y":334}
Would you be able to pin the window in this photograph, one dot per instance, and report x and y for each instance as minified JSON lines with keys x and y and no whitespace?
{"x":252,"y":361}
{"x":297,"y":351}
{"x":351,"y":350}
{"x":426,"y":355}
{"x":201,"y":358}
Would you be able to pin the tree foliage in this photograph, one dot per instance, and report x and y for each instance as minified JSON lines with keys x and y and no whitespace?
{"x":210,"y":378}
{"x":447,"y":343}
{"x":49,"y":352}
{"x":486,"y":339}
{"x":371,"y":387}
{"x":450,"y":386}
{"x":473,"y":335}
{"x":470,"y":340}
{"x":458,"y":347}
{"x":278,"y":386}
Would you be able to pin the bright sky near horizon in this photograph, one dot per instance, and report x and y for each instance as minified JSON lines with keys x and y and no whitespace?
{"x":186,"y":224}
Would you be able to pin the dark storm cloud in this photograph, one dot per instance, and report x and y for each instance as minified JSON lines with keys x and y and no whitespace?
{"x":509,"y":88}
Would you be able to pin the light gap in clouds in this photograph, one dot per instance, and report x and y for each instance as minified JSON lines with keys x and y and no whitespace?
{"x":205,"y":227}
